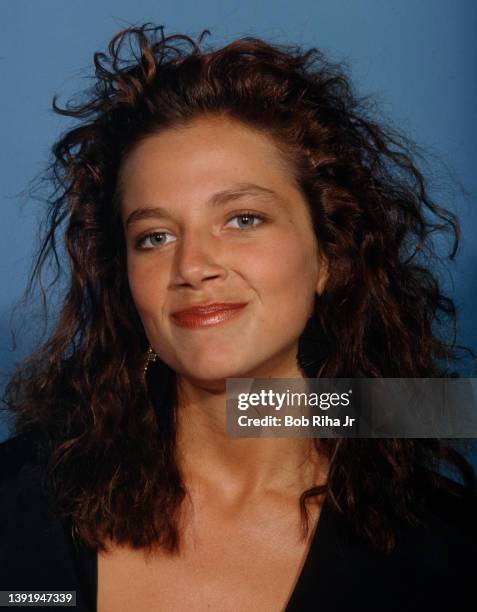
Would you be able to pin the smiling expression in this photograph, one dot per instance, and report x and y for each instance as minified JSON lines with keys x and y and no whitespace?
{"x":212,"y":216}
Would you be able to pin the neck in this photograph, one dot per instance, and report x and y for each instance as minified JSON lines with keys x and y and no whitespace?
{"x":239,"y":467}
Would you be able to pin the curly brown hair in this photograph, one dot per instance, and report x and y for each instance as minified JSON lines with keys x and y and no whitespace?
{"x":108,"y":433}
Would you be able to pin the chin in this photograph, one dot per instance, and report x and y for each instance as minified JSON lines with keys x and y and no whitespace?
{"x":212,"y":375}
{"x":214,"y":370}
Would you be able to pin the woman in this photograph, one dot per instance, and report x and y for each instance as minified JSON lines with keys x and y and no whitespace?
{"x":232,"y":213}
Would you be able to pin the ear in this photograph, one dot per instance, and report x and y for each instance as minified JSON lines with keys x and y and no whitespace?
{"x":323,"y":273}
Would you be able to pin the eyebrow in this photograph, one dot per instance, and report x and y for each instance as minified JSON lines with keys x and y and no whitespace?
{"x":217,"y":199}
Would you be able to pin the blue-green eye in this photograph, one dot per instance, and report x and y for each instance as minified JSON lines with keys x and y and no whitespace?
{"x":153,"y":240}
{"x":156,"y":240}
{"x":247,"y":220}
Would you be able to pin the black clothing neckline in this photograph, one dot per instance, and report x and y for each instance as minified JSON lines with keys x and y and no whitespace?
{"x":431,"y":566}
{"x":323,"y":529}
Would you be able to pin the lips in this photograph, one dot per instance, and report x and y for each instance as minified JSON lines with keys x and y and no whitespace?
{"x":206,"y":315}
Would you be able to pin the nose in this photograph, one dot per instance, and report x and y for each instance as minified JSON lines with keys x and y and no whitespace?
{"x":198,"y":259}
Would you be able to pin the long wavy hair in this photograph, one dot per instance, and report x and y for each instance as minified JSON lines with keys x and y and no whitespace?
{"x":106,"y":431}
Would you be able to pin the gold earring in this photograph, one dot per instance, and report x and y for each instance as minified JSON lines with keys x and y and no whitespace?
{"x":150,"y":357}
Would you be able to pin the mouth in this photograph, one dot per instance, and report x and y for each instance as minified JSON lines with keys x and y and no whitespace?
{"x":207,"y":315}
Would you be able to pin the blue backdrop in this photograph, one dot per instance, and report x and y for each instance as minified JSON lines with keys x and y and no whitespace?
{"x":418,"y":59}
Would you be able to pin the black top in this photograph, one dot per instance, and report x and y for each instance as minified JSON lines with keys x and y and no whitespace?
{"x":431,"y":568}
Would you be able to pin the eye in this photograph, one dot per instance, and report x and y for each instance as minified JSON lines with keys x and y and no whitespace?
{"x":154,"y":240}
{"x":247,"y":220}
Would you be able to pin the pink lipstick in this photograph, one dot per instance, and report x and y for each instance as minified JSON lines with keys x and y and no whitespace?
{"x":197,"y":317}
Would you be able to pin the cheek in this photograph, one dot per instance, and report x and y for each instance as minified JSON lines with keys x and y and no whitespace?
{"x":291,"y":264}
{"x":146,"y":288}
{"x":284,"y":271}
{"x":136,"y":284}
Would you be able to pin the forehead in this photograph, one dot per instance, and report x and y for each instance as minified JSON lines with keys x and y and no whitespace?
{"x":207,"y":155}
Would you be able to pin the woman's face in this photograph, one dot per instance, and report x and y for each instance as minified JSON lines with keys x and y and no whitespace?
{"x":211,"y":216}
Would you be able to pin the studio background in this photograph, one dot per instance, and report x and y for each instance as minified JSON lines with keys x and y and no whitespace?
{"x":418,"y":60}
